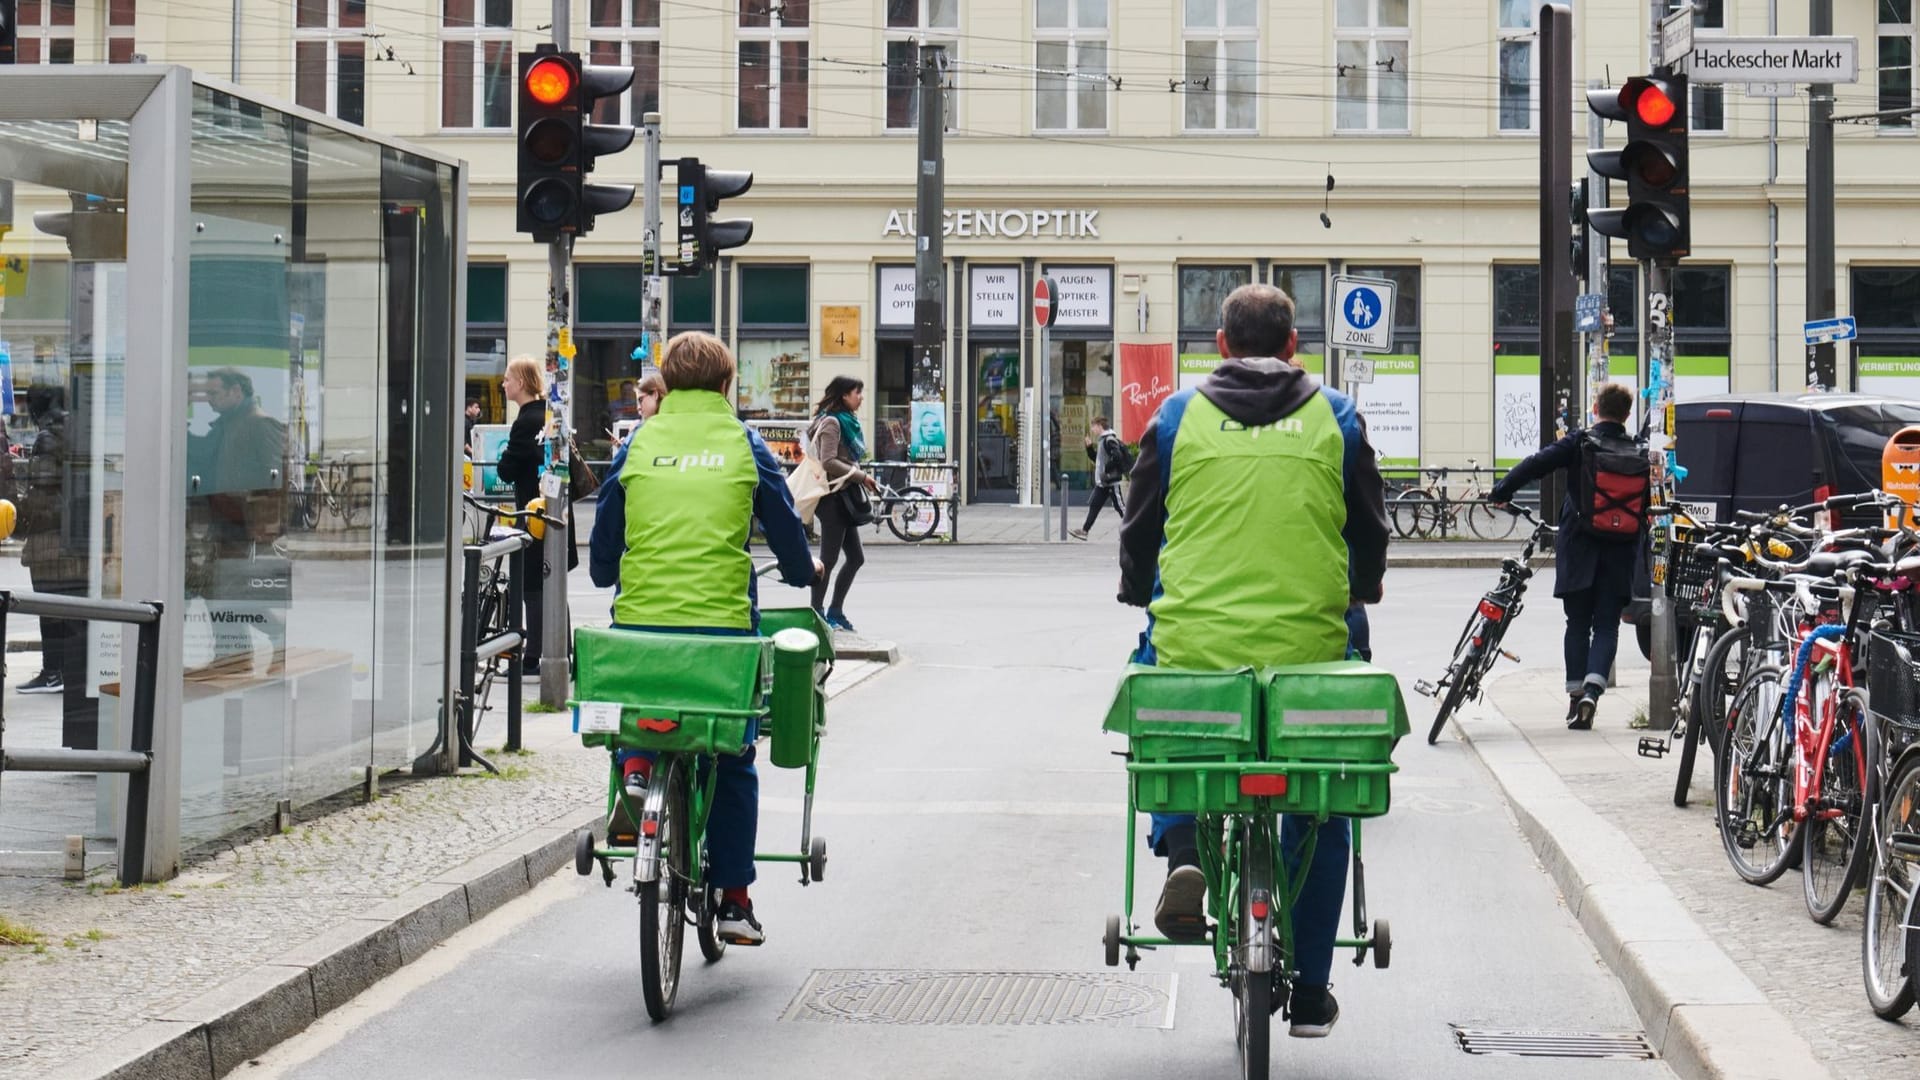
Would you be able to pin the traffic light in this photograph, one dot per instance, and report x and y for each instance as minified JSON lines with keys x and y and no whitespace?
{"x":558,"y":147}
{"x":702,"y":236}
{"x":95,"y":229}
{"x":1656,"y":221}
{"x":1577,"y":217}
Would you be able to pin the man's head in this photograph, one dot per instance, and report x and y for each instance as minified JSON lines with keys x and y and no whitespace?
{"x":1100,"y":425}
{"x":697,"y":361}
{"x":1614,"y":402}
{"x":228,"y":390}
{"x":1257,"y":321}
{"x":473,"y":407}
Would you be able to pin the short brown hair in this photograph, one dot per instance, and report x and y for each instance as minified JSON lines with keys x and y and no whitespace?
{"x":697,"y":361}
{"x":1613,"y":402}
{"x":651,"y":384}
{"x":1258,"y":320}
{"x":1101,"y":421}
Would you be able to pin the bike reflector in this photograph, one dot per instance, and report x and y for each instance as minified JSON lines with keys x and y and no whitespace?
{"x":1492,"y":610}
{"x":1259,"y":909}
{"x":1273,"y":784}
{"x":660,"y":724}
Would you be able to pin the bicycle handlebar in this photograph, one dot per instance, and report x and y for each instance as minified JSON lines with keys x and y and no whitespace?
{"x":497,"y":510}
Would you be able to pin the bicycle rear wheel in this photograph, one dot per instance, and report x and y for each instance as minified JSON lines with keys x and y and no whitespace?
{"x":1836,"y":844}
{"x":914,"y":516}
{"x":1253,"y":999}
{"x":1463,"y":675}
{"x":1415,"y":513}
{"x":1695,"y":689}
{"x":1490,"y":524}
{"x":662,"y":927}
{"x":1753,"y":786}
{"x":1892,"y":884}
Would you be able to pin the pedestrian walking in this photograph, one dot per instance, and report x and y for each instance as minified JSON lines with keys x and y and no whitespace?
{"x":1602,"y":523}
{"x":836,"y":441}
{"x":1110,"y":464}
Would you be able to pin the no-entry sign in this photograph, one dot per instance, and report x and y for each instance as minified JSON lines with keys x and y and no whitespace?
{"x":1045,"y":306}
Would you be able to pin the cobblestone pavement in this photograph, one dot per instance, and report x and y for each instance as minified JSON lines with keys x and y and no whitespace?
{"x":1810,"y":973}
{"x":107,"y":958}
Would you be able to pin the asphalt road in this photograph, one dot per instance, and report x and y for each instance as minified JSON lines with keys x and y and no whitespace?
{"x":974,"y":813}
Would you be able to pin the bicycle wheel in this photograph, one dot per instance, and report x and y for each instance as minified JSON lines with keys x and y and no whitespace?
{"x":1253,"y":999}
{"x":1836,"y":844}
{"x":662,"y":928}
{"x":1490,"y":524}
{"x":306,"y":508}
{"x":1753,"y":785}
{"x":913,"y":516}
{"x":1891,"y":886}
{"x":1693,"y":689}
{"x":1462,"y":675}
{"x":1415,"y":513}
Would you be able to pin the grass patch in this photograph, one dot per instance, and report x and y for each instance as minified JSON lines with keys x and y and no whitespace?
{"x":1641,"y":721}
{"x":540,"y":707}
{"x":20,"y":934}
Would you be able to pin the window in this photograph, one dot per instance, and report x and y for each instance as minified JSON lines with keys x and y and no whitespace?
{"x":45,"y":32}
{"x":1896,"y":61}
{"x":776,"y":377}
{"x":1516,"y":363}
{"x":1222,"y":46}
{"x":1519,"y":49}
{"x":486,"y":359}
{"x":1307,"y":285}
{"x":330,"y":58}
{"x":1202,"y":290}
{"x":120,"y":31}
{"x":476,"y":63}
{"x":1886,"y":301}
{"x":1371,"y":45}
{"x":1070,"y":53}
{"x":1702,"y":334}
{"x":1708,"y":109}
{"x":773,"y":65}
{"x":626,"y":33}
{"x":938,"y":21}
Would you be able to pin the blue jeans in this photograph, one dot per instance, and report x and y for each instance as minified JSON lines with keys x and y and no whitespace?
{"x":733,"y":822}
{"x":1593,"y":634}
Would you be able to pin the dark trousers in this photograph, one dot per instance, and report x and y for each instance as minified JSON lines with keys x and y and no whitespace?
{"x":838,"y":536}
{"x":1101,"y":493}
{"x":1593,"y":633}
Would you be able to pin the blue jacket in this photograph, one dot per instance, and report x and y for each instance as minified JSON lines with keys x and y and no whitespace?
{"x":1580,"y":560}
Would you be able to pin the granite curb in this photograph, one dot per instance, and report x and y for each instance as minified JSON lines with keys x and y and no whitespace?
{"x":1705,"y":1016}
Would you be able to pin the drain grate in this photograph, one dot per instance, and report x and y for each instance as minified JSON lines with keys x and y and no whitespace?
{"x":985,"y":998}
{"x":1566,"y":1044}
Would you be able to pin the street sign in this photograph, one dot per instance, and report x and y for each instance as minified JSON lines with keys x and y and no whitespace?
{"x":1359,"y":370}
{"x":1045,"y":310}
{"x":1363,"y":314}
{"x":1587,"y":308}
{"x":1772,"y":89}
{"x":1774,"y":59}
{"x":1676,"y":35}
{"x":1821,"y":331}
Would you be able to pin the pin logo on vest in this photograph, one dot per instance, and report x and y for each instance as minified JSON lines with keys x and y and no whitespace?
{"x":706,"y":459}
{"x":1291,"y":425}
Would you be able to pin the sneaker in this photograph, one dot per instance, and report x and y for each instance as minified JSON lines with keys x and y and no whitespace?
{"x":737,"y":926}
{"x":838,"y":620}
{"x":47,"y":682}
{"x":1312,"y":1011}
{"x":1077,"y":534}
{"x":1573,"y":706}
{"x":1583,"y":713}
{"x":1181,"y":914}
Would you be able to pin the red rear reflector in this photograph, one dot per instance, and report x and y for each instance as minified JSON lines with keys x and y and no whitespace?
{"x":660,"y":725}
{"x":1259,"y":909}
{"x":1492,"y":610}
{"x":1263,"y":784}
{"x":649,"y":827}
{"x":1719,"y":414}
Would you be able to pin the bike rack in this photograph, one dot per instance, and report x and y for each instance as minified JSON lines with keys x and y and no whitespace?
{"x":473,"y":650}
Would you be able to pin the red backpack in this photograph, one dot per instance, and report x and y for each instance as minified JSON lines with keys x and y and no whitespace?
{"x":1615,"y":480}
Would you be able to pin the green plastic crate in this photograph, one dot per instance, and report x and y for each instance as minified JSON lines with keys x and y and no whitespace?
{"x":1191,"y":718}
{"x":695,"y":693}
{"x":1325,"y":717}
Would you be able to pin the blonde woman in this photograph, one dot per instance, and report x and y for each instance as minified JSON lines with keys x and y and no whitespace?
{"x":520,"y":461}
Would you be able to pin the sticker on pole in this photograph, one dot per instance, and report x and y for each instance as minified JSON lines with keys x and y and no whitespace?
{"x":1821,"y":331}
{"x":1363,"y":314}
{"x":1587,"y":308}
{"x":1046,"y":307}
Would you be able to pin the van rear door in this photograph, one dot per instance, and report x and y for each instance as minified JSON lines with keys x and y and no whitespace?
{"x":1776,"y":459}
{"x":1708,"y":442}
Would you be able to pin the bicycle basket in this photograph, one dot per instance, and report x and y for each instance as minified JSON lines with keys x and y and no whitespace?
{"x":1893,"y":677}
{"x":1188,"y":718}
{"x":1690,"y":581}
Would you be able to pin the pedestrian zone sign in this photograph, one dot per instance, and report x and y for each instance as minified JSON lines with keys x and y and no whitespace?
{"x":1363,"y":314}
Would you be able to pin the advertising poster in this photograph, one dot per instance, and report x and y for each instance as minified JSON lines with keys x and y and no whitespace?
{"x":1895,"y":376}
{"x":1146,"y":380}
{"x":1700,"y":376}
{"x":1516,"y":408}
{"x":929,"y":431}
{"x":1391,"y":404}
{"x":1194,"y":368}
{"x":489,"y":440}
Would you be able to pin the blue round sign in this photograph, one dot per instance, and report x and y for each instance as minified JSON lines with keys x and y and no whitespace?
{"x":1363,"y":308}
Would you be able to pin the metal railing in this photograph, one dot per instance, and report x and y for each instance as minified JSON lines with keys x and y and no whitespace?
{"x":136,"y":761}
{"x":475,"y":650}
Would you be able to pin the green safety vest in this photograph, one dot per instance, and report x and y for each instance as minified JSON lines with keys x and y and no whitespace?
{"x":1254,"y":566}
{"x":689,"y":482}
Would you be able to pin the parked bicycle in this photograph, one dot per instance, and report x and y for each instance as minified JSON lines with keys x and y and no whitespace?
{"x":341,"y":487}
{"x":1435,"y":511}
{"x":1479,"y":646}
{"x":911,"y":513}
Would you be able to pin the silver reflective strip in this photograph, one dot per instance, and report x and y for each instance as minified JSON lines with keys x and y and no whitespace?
{"x":1329,"y":717}
{"x":1189,"y":716}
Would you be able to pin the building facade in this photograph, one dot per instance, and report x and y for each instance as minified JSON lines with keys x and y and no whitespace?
{"x":1149,"y":156}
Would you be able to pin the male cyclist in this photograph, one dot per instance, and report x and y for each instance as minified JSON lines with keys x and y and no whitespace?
{"x":671,"y":531}
{"x":1258,"y":519}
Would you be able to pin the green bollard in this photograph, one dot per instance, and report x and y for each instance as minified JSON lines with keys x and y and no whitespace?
{"x":793,"y":703}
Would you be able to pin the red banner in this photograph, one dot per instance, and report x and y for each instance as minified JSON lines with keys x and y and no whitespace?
{"x":1146,"y":380}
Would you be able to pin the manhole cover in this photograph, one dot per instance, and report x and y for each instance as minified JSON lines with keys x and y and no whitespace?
{"x":1567,"y":1044}
{"x":980,"y":998}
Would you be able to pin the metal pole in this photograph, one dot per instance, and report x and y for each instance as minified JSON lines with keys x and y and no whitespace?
{"x":1064,"y":501}
{"x":651,"y":323}
{"x":928,"y":380}
{"x":1556,"y":272}
{"x":133,"y":832}
{"x":516,"y":597}
{"x":1663,"y":690}
{"x":1043,"y":424}
{"x":1821,"y":369}
{"x":556,"y":630}
{"x":1599,"y":263}
{"x":469,"y":641}
{"x":1773,"y":220}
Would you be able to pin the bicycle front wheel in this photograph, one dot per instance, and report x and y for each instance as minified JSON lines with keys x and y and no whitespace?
{"x":1753,"y":783}
{"x":1253,"y":1002}
{"x":1463,"y":675}
{"x":913,"y":516}
{"x":662,"y":928}
{"x":1893,"y":879}
{"x":1836,"y":834}
{"x":1415,"y":514}
{"x":1490,"y":524}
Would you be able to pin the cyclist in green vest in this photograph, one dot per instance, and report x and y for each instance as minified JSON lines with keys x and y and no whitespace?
{"x":671,"y":532}
{"x":1257,"y":521}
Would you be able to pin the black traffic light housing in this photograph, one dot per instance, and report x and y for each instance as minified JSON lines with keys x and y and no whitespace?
{"x":1577,"y":217}
{"x":558,"y":147}
{"x":95,"y":229}
{"x":699,"y":191}
{"x":1657,"y":219}
{"x":9,"y":29}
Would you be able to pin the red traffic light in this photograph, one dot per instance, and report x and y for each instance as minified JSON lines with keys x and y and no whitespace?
{"x":1654,"y":106}
{"x":550,"y":81}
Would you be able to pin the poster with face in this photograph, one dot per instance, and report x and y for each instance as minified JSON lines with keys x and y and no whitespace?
{"x":929,"y":437}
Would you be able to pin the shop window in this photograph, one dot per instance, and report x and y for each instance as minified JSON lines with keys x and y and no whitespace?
{"x":776,"y":371}
{"x":626,"y":32}
{"x":1307,"y":285}
{"x":608,"y":294}
{"x":1391,"y":403}
{"x":476,"y":63}
{"x":1516,"y":363}
{"x":773,"y":65}
{"x":1886,"y":302}
{"x":1202,"y":290}
{"x":486,"y":357}
{"x":690,"y":303}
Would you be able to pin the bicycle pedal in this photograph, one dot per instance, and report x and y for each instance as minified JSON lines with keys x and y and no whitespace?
{"x":1653,"y":748}
{"x":1509,"y":656}
{"x":1425,"y":688}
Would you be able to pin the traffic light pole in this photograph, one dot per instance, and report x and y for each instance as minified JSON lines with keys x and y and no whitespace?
{"x":556,"y":632}
{"x":1663,"y":686}
{"x":928,"y":377}
{"x":1822,"y":370}
{"x":651,"y":323}
{"x":1557,"y":358}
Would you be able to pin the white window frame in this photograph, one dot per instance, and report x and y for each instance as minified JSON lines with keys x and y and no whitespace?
{"x":1074,"y":37}
{"x":1516,"y":35}
{"x":947,"y":36}
{"x":773,"y":35}
{"x":476,"y":37}
{"x":1698,"y":93}
{"x":114,"y":32}
{"x":625,"y":35}
{"x":332,"y":35}
{"x":45,"y":33}
{"x":1220,"y":34}
{"x":1909,"y":30}
{"x":1373,"y":35}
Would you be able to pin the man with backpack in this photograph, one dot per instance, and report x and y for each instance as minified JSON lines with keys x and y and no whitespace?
{"x":1601,"y":525}
{"x":1111,"y":463}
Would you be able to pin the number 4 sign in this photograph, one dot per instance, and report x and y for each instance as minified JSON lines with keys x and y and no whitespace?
{"x":840,"y":330}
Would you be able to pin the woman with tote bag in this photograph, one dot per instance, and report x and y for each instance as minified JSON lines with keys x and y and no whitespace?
{"x":837,"y":443}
